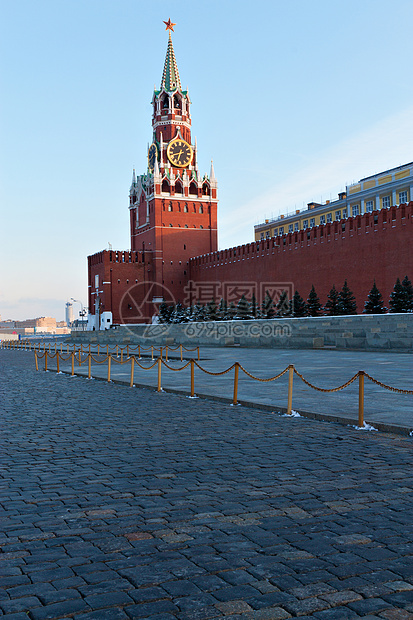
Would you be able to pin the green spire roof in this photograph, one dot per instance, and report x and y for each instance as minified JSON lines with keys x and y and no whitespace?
{"x":170,"y":76}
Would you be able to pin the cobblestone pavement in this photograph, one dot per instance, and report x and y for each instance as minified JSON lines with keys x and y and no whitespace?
{"x":120,"y":503}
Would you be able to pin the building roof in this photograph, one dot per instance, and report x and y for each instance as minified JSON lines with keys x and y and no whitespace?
{"x":170,"y":77}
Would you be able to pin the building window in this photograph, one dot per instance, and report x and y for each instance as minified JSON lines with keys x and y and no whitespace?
{"x":305,"y":224}
{"x":386,"y":202}
{"x":344,"y":213}
{"x":296,"y":227}
{"x":402,"y":197}
{"x":201,"y":209}
{"x":186,"y":208}
{"x":290,"y":228}
{"x":186,"y":225}
{"x":275,"y":232}
{"x":201,"y":226}
{"x":262,"y":236}
{"x":355,"y":210}
{"x":170,"y":206}
{"x":170,"y":225}
{"x":312,"y":222}
{"x":329,"y":218}
{"x":322,"y":220}
{"x":338,"y":215}
{"x":267,"y":234}
{"x":369,"y":206}
{"x":281,"y":230}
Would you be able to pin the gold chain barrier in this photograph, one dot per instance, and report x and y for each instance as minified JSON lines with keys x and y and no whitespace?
{"x":48,"y":355}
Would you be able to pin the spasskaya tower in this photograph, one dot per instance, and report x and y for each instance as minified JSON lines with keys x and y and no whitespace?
{"x":173,"y":207}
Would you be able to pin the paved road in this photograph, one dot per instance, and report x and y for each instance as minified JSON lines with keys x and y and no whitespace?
{"x":121,"y":503}
{"x":325,"y":369}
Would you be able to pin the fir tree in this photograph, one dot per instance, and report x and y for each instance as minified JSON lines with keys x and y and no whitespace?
{"x":178,"y":314}
{"x":164,"y":313}
{"x":313,"y":304}
{"x":211,"y":311}
{"x":222,"y":310}
{"x":374,"y":303}
{"x":332,"y":307}
{"x":399,"y":298}
{"x":407,"y":285}
{"x":231,"y":312}
{"x":267,"y":307}
{"x":255,"y":312}
{"x":243,"y":309}
{"x":299,"y":307}
{"x":284,"y":305}
{"x":346,"y":301}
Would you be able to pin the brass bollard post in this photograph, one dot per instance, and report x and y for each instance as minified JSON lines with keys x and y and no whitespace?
{"x":139,"y":351}
{"x":234,"y":400}
{"x":73,"y":363}
{"x":180,"y":350}
{"x":67,"y":349}
{"x":152,"y":351}
{"x":192,"y":377}
{"x":36,"y":360}
{"x":361,"y":398}
{"x":117,"y":350}
{"x":109,"y":362}
{"x":166,"y":353}
{"x":290,"y":388}
{"x":132,"y":369}
{"x":121,"y":355}
{"x":45,"y":360}
{"x":57,"y":362}
{"x":98,"y":348}
{"x":89,"y":349}
{"x":107,"y":349}
{"x":198,"y":353}
{"x":127,"y":350}
{"x":89,"y":366}
{"x":55,"y":347}
{"x":159,"y":373}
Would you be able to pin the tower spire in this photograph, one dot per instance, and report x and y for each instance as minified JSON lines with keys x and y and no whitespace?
{"x":170,"y":77}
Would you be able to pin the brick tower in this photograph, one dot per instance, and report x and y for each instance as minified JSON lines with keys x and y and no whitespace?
{"x":173,"y":208}
{"x":173,"y":217}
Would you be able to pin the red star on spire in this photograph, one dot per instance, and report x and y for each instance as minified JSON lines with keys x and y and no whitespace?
{"x":169,"y":25}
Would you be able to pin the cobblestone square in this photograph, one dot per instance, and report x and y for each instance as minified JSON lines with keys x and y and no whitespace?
{"x":120,"y":502}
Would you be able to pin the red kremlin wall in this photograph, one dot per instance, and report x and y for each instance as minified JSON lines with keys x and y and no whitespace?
{"x":374,"y":246}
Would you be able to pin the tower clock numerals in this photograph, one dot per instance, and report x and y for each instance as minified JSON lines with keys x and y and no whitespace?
{"x":179,"y":153}
{"x":152,"y":156}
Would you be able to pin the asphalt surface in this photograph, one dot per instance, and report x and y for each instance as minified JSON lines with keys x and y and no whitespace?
{"x":127,"y":503}
{"x":328,"y":369}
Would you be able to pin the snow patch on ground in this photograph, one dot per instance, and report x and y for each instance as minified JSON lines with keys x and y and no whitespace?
{"x":365,"y":427}
{"x":293,"y":414}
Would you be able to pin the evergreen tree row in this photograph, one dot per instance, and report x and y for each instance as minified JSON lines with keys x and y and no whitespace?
{"x":338,"y":303}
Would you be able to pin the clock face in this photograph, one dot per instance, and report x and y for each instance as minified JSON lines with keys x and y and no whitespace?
{"x":152,"y":156}
{"x":179,"y":153}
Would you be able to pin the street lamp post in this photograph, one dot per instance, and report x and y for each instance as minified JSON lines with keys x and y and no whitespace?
{"x":81,"y":313}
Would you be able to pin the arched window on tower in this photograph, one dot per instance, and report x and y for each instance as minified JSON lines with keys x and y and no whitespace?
{"x":165,"y":102}
{"x":201,"y":209}
{"x":177,"y":102}
{"x":186,"y":208}
{"x":178,"y":187}
{"x":206,"y":189}
{"x":193,"y":190}
{"x":165,"y":187}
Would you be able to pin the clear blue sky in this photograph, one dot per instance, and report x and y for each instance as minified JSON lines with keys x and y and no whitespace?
{"x":292,"y":100}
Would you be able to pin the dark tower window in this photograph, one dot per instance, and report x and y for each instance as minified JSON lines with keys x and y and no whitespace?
{"x":165,"y":102}
{"x":193,"y":190}
{"x":186,"y":208}
{"x":165,"y":186}
{"x":201,"y":209}
{"x":205,"y":189}
{"x":178,"y":187}
{"x":177,"y":102}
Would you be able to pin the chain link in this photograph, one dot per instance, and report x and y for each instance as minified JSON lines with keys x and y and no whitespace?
{"x":387,"y":387}
{"x":337,"y":389}
{"x":263,"y":380}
